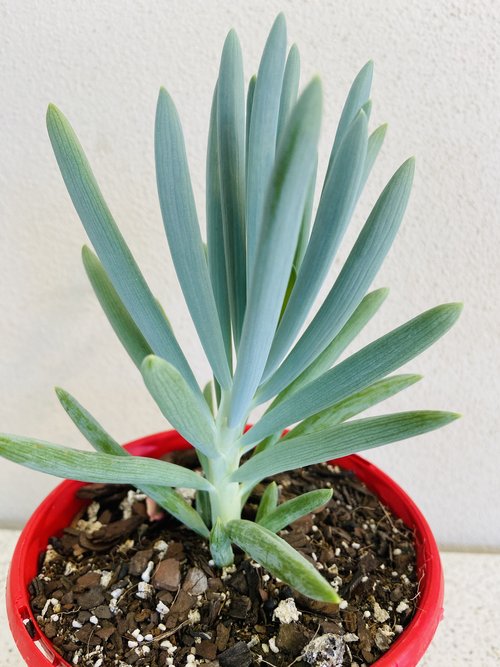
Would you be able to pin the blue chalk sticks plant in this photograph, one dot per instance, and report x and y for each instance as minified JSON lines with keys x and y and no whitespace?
{"x":249,"y":290}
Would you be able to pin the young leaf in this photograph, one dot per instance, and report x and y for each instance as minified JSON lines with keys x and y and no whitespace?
{"x":101,"y":441}
{"x":337,"y":202}
{"x":293,"y":509}
{"x":305,"y":225}
{"x":202,"y":500}
{"x":358,"y":96}
{"x":110,"y":244}
{"x":355,"y":278}
{"x":231,"y":151}
{"x":340,"y":440}
{"x":186,"y":411}
{"x":262,"y":136}
{"x":289,"y":89}
{"x":88,"y":426}
{"x":90,"y":467}
{"x":375,"y":141}
{"x":215,"y":232}
{"x":183,"y":233}
{"x":123,"y":325}
{"x":371,"y":363}
{"x":280,"y":559}
{"x":368,"y":307}
{"x":268,"y":502}
{"x":250,"y":94}
{"x":209,"y":395}
{"x":283,"y":211}
{"x":220,"y":545}
{"x":353,"y":405}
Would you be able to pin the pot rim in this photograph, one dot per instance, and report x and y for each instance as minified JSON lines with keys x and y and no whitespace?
{"x":57,"y":509}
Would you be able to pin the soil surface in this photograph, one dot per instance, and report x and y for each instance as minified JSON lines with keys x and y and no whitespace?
{"x":116,"y":590}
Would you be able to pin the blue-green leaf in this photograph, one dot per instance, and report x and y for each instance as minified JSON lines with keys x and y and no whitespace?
{"x":288,"y":512}
{"x":262,"y":136}
{"x":371,"y":363}
{"x":268,"y":502}
{"x":289,"y":90}
{"x":91,"y":467}
{"x":283,"y":212}
{"x":110,"y":244}
{"x":334,"y":212}
{"x":220,"y":545}
{"x":358,"y":96}
{"x":280,"y":559}
{"x":340,"y":440}
{"x":186,"y":411}
{"x":355,"y":278}
{"x":250,"y":94}
{"x":184,"y":236}
{"x":375,"y":141}
{"x":231,"y":150}
{"x":355,"y":324}
{"x":102,"y":442}
{"x":305,"y":225}
{"x":215,"y":233}
{"x":123,"y":325}
{"x":353,"y":405}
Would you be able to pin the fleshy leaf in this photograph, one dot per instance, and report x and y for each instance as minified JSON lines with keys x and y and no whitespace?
{"x":220,"y":545}
{"x":280,"y":559}
{"x":340,"y":440}
{"x":91,"y":467}
{"x":215,"y":232}
{"x":335,"y":209}
{"x":110,"y":244}
{"x":123,"y":325}
{"x":294,"y":509}
{"x":290,"y":89}
{"x":268,"y":502}
{"x":102,"y":442}
{"x":183,"y":233}
{"x":354,"y":279}
{"x":353,"y":405}
{"x":186,"y":411}
{"x":262,"y":136}
{"x":283,"y":212}
{"x":231,"y":150}
{"x":371,"y":363}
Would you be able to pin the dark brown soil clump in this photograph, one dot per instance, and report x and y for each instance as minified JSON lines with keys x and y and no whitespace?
{"x":115,"y":590}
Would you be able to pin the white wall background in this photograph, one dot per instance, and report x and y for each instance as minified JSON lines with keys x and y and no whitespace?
{"x":436,"y":83}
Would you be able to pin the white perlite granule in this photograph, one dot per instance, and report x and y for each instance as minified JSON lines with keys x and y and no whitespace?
{"x":286,"y":611}
{"x":381,"y":615}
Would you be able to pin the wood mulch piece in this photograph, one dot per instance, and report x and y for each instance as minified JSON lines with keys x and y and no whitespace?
{"x":115,"y":590}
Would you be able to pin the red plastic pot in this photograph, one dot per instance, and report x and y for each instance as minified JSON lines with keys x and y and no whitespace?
{"x":58,"y":509}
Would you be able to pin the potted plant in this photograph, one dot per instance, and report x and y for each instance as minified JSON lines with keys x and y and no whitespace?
{"x":249,"y":291}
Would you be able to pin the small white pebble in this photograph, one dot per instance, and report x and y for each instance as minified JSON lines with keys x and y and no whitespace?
{"x":265,"y":648}
{"x":265,"y":577}
{"x":364,"y":579}
{"x":76,"y":624}
{"x":356,"y":545}
{"x":394,"y":574}
{"x":194,"y":616}
{"x":54,"y":618}
{"x":314,"y":557}
{"x":367,"y":614}
{"x":314,"y":529}
{"x":132,"y":644}
{"x":397,"y":552}
{"x":398,"y":629}
{"x":382,"y":567}
{"x":94,"y":620}
{"x":402,"y":606}
{"x":106,"y":578}
{"x":98,"y":662}
{"x":211,"y":562}
{"x":149,"y":637}
{"x":135,"y":633}
{"x":350,"y":637}
{"x":144,"y":590}
{"x":162,"y":627}
{"x":343,"y":604}
{"x":337,"y":551}
{"x":117,"y":593}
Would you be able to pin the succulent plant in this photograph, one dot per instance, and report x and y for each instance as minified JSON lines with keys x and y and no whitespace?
{"x":249,"y":291}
